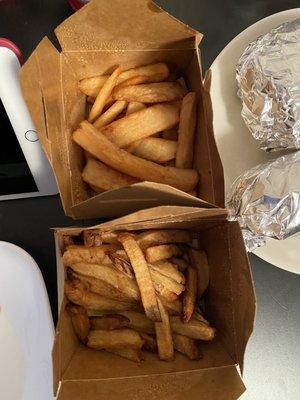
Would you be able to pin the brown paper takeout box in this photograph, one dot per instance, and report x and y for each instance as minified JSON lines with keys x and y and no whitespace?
{"x":94,"y":40}
{"x":84,"y":374}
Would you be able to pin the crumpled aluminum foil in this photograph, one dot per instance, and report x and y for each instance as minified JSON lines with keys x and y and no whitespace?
{"x":268,"y":76}
{"x":266,"y":200}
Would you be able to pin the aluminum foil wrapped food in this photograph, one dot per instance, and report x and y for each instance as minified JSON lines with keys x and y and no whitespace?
{"x":266,"y":200}
{"x":268,"y":76}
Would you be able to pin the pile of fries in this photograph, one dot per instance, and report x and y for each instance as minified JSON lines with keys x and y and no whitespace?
{"x":130,"y":292}
{"x":140,"y":126}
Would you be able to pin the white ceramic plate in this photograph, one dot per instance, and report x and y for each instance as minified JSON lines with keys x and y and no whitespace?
{"x":26,"y":328}
{"x":238,"y":150}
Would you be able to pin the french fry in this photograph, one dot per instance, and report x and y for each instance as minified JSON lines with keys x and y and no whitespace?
{"x":109,"y":322}
{"x":181,"y":81}
{"x":90,"y":100}
{"x":104,"y":178}
{"x":122,"y":265}
{"x":104,"y":95}
{"x":135,"y":80}
{"x":150,"y":92}
{"x":155,"y":237}
{"x":76,"y":293}
{"x":97,"y":144}
{"x":110,"y":275}
{"x":91,"y":86}
{"x":190,"y":294}
{"x":164,"y":335}
{"x":173,"y":307}
{"x":186,"y":131}
{"x":67,"y":241}
{"x":199,"y":316}
{"x":162,"y":252}
{"x":142,"y":275}
{"x":154,"y":149}
{"x":80,"y":321}
{"x":110,"y":114}
{"x":155,"y":72}
{"x":187,"y":346}
{"x":169,"y":270}
{"x":95,"y":237}
{"x":163,"y":281}
{"x":149,"y":342}
{"x":141,"y":124}
{"x":139,"y":322}
{"x":100,"y":287}
{"x":181,"y":263}
{"x":119,"y":338}
{"x":135,"y":355}
{"x":199,"y":261}
{"x":170,"y":134}
{"x":193,"y":329}
{"x":94,"y":255}
{"x":134,"y":106}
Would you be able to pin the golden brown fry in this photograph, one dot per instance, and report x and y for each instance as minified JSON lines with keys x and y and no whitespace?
{"x":122,"y":265}
{"x":135,"y":80}
{"x":154,"y":149}
{"x":141,"y":124}
{"x":139,"y":322}
{"x":193,"y":329}
{"x":150,"y":92}
{"x":190,"y":294}
{"x":162,"y":252}
{"x":181,"y":263}
{"x":181,"y":81}
{"x":91,"y":86}
{"x":76,"y":293}
{"x":155,"y":72}
{"x":97,"y":144}
{"x":110,"y":275}
{"x":100,"y":287}
{"x":199,"y":316}
{"x":96,"y":237}
{"x":169,"y":270}
{"x":149,"y":342}
{"x":164,"y":335}
{"x":142,"y":275}
{"x":103,"y":178}
{"x":135,"y":355}
{"x":187,"y":346}
{"x":155,"y":237}
{"x":80,"y":321}
{"x":134,"y":106}
{"x":173,"y":307}
{"x":165,"y":282}
{"x":104,"y":95}
{"x":186,"y":132}
{"x":199,"y":261}
{"x":170,"y":134}
{"x":93,"y":255}
{"x":109,"y":322}
{"x":110,"y":114}
{"x":119,"y":338}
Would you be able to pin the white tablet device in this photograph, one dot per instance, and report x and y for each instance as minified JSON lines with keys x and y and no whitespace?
{"x":24,"y":168}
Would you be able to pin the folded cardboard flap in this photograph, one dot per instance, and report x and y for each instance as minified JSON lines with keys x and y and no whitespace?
{"x":124,"y":25}
{"x":230,"y":306}
{"x":95,"y":40}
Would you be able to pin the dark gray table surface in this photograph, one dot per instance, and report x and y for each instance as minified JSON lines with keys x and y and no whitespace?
{"x":273,"y":358}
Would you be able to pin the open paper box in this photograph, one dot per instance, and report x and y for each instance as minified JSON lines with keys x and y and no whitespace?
{"x":94,"y":40}
{"x":82,"y":373}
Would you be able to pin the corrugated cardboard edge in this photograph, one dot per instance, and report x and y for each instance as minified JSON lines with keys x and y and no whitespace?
{"x":101,"y":25}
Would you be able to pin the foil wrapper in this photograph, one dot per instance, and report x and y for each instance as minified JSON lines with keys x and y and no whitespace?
{"x":266,"y":200}
{"x":268,"y":76}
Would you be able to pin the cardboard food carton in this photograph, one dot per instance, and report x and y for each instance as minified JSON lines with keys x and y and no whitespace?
{"x":81,"y":373}
{"x":102,"y":35}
